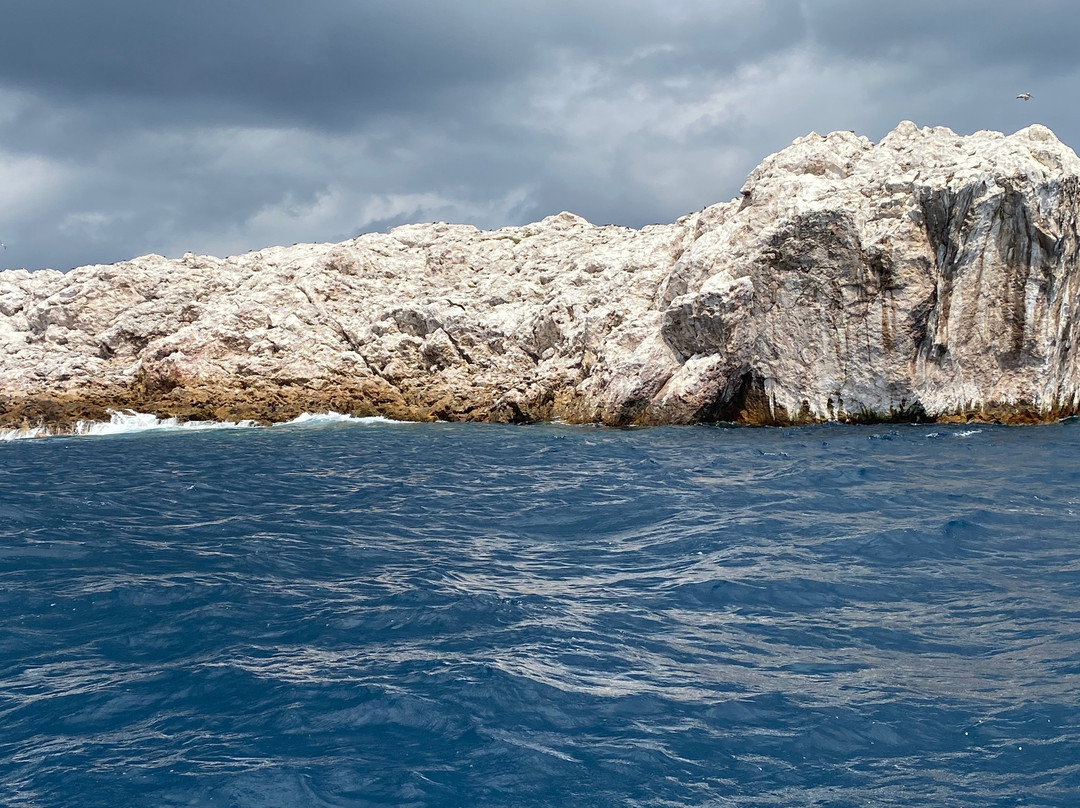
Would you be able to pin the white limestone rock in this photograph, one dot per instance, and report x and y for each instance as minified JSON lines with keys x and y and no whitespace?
{"x":927,"y":276}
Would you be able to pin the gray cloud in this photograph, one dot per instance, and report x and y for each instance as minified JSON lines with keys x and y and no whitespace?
{"x":220,"y":125}
{"x":1038,"y":37}
{"x":332,"y":62}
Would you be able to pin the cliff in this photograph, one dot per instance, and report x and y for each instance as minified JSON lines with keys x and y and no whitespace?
{"x":928,"y":276}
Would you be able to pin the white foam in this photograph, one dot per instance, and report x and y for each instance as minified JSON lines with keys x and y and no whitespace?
{"x":20,"y":434}
{"x":323,"y":418}
{"x":966,"y":433}
{"x":121,"y":423}
{"x":129,"y":421}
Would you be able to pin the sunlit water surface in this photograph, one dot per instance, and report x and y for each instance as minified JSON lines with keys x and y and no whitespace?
{"x":377,"y":614}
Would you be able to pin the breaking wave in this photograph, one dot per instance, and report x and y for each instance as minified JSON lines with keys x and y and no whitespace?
{"x":129,"y":421}
{"x":323,"y":418}
{"x":121,"y":423}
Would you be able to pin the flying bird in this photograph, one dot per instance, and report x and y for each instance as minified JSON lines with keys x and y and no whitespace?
{"x":1024,"y":96}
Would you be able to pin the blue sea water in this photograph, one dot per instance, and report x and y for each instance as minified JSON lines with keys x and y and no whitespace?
{"x":378,"y":614}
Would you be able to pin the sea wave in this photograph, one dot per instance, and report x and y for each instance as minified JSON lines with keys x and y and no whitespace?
{"x":121,"y":423}
{"x":324,"y":418}
{"x":458,"y":614}
{"x":129,"y":421}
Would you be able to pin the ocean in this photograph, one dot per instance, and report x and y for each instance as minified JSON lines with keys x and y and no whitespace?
{"x":346,"y":612}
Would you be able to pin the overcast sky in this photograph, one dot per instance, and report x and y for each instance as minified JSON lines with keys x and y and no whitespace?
{"x":219,"y":126}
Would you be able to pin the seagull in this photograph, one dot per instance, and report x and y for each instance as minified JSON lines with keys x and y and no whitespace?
{"x":1024,"y":96}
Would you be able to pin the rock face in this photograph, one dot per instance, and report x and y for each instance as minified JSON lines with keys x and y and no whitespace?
{"x":928,"y":276}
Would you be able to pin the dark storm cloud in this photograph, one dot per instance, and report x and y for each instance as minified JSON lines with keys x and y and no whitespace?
{"x":316,"y":61}
{"x":129,"y":126}
{"x":327,"y":62}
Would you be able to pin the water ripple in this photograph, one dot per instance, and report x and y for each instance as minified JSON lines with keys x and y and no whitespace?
{"x":326,"y":615}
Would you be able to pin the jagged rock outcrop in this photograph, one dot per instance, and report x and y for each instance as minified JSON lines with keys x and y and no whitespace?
{"x":927,"y":276}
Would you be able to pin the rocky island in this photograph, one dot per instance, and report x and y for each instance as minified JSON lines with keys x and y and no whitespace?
{"x":929,"y":276}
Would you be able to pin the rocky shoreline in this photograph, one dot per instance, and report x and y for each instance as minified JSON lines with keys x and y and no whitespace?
{"x":930,"y":276}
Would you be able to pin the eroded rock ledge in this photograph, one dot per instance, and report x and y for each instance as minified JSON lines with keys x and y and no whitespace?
{"x":928,"y":276}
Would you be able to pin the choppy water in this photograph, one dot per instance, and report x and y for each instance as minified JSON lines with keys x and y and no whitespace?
{"x":464,"y":615}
